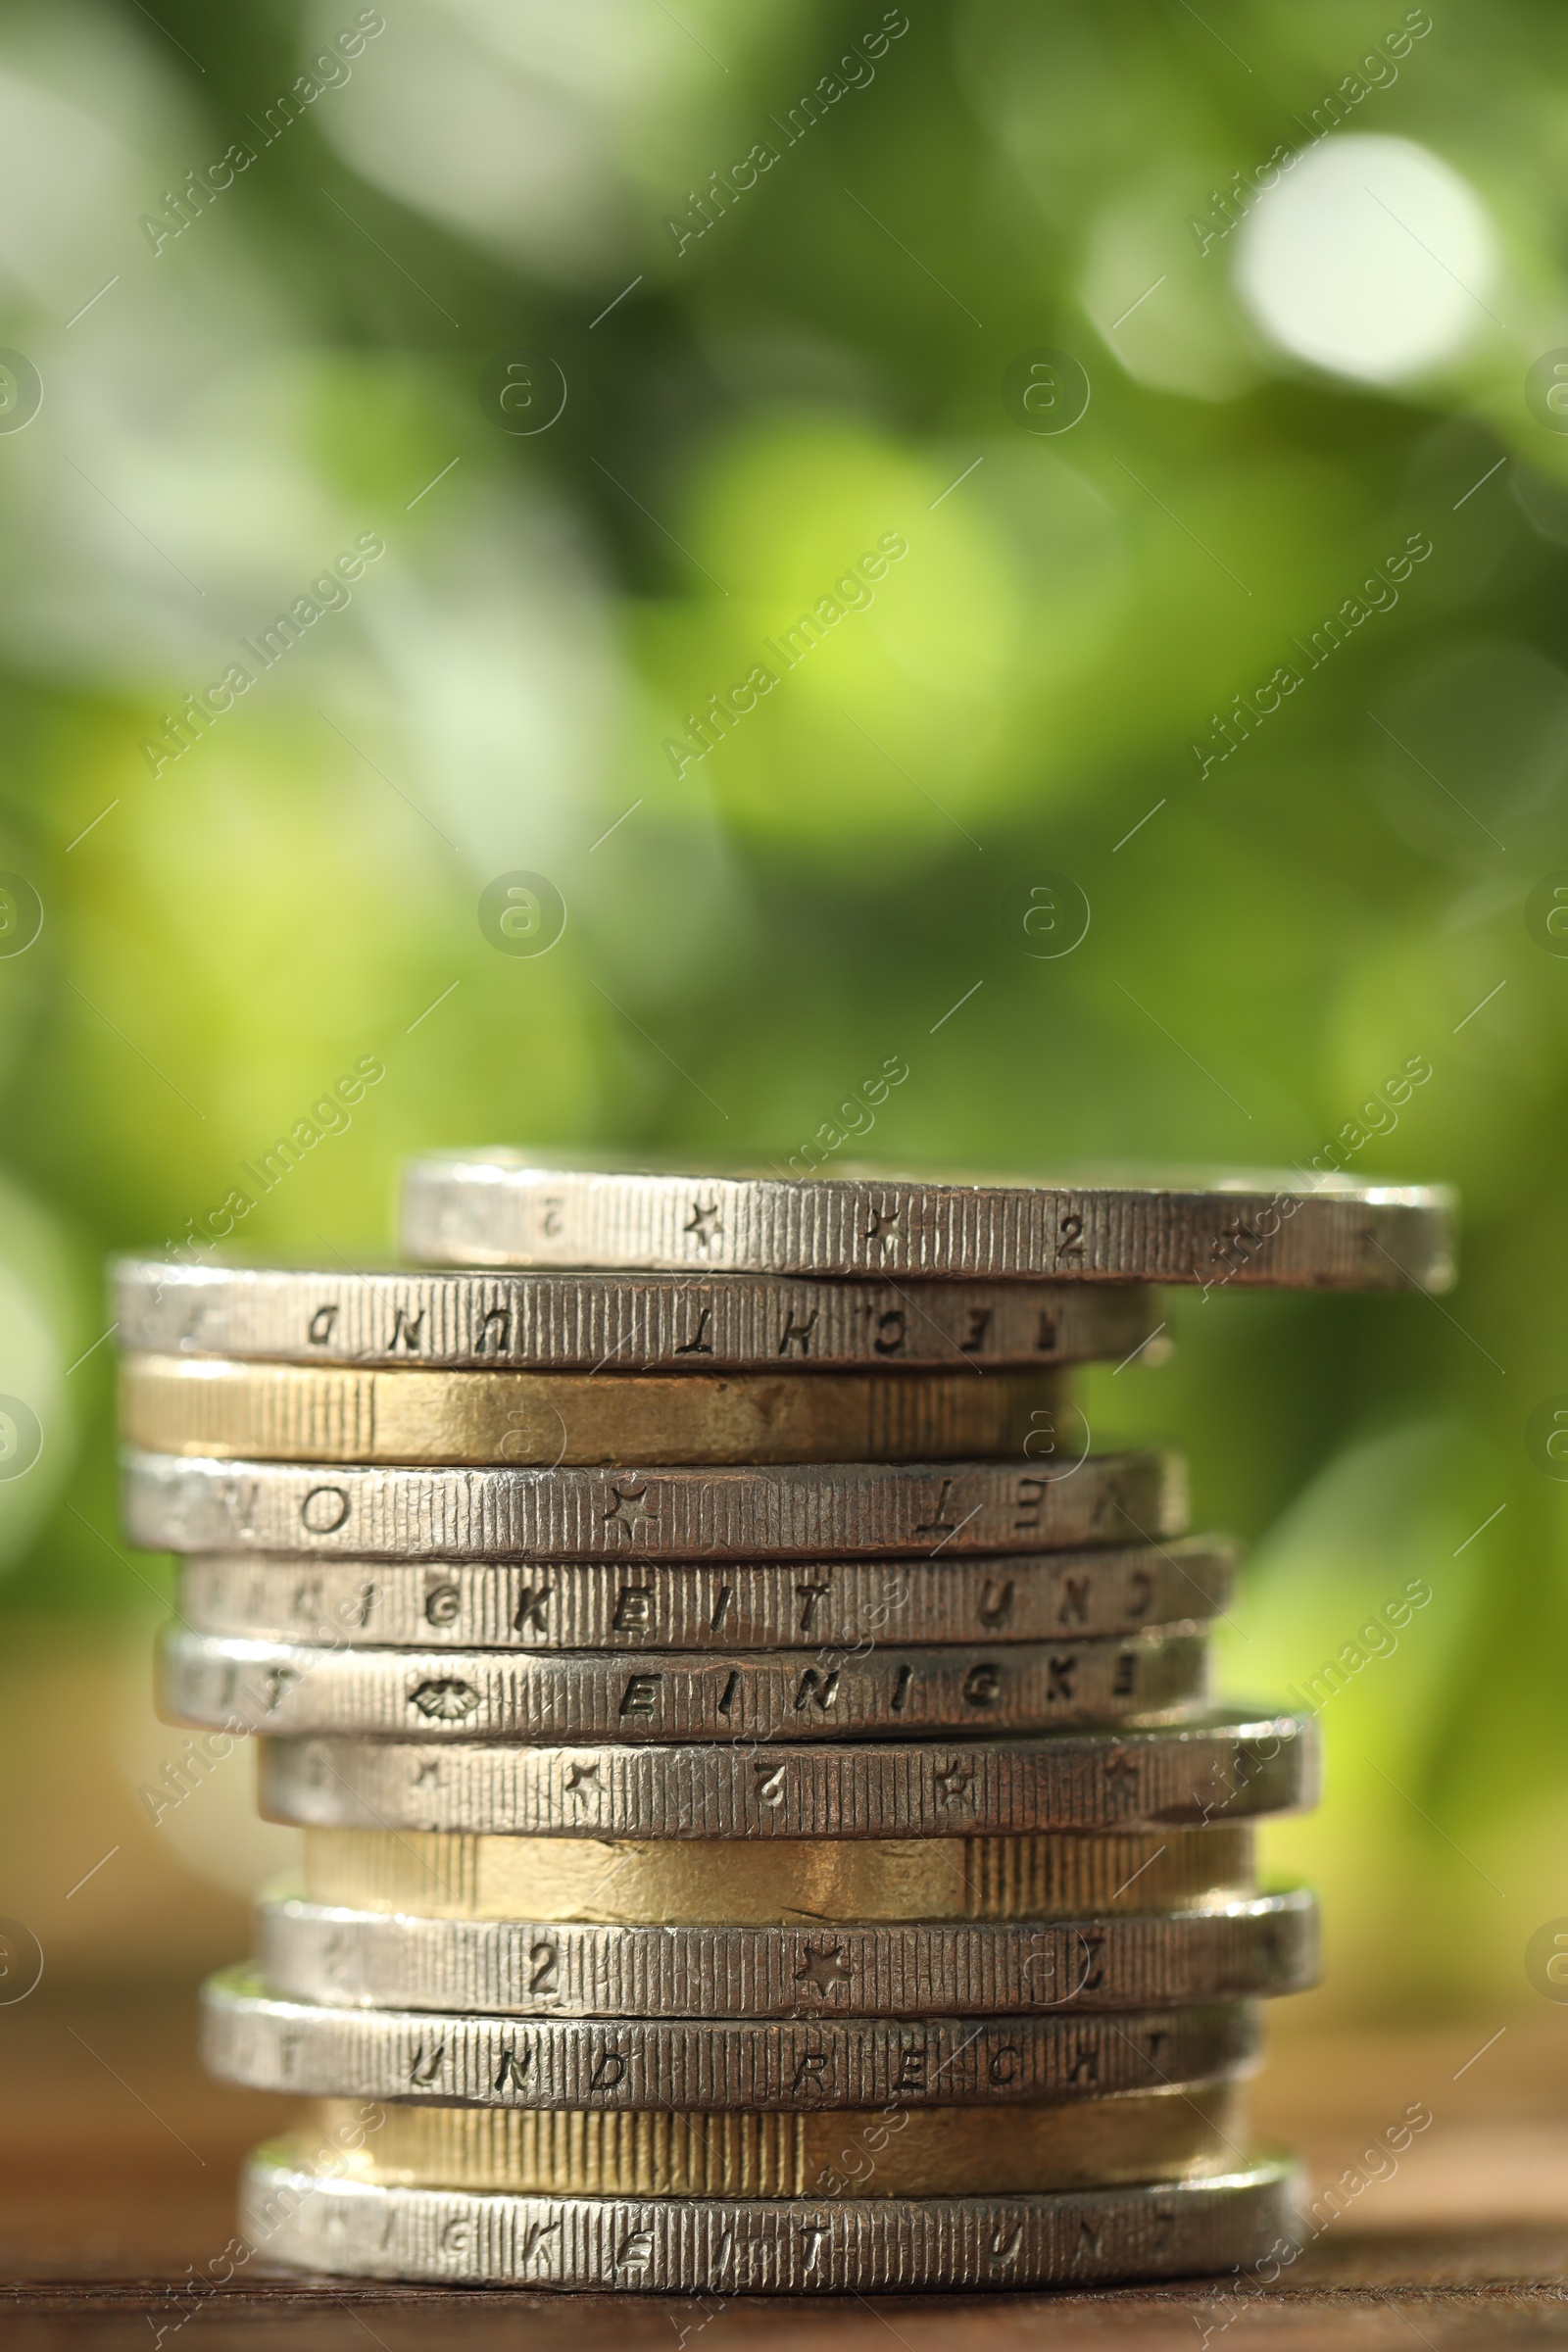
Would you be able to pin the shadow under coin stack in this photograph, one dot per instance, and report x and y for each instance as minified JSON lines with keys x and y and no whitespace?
{"x":766,"y":1828}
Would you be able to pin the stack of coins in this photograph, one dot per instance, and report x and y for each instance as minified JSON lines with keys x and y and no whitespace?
{"x":766,"y":1828}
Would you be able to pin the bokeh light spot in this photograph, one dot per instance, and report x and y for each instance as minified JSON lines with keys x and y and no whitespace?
{"x":1371,"y":258}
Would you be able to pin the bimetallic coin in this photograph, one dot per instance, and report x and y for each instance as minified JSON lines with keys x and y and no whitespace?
{"x":585,"y":1604}
{"x":253,"y":2036}
{"x":501,"y":1209}
{"x":785,"y":1512}
{"x":790,"y":1884}
{"x":1141,"y":2135}
{"x":301,"y":2205}
{"x":230,"y":1410}
{"x":573,"y":1321}
{"x":1228,"y":1766}
{"x":287,"y":1688}
{"x":1250,"y":1948}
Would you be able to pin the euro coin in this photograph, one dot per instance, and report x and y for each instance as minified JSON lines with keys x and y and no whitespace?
{"x":501,"y":1209}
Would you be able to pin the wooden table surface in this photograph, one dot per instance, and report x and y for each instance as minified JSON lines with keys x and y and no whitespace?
{"x":116,"y":2182}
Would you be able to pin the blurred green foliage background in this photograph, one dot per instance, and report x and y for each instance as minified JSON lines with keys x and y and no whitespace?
{"x":1289,"y":382}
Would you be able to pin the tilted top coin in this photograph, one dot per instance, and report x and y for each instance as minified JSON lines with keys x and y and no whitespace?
{"x":572,"y":1321}
{"x":790,"y":1511}
{"x":491,"y":1208}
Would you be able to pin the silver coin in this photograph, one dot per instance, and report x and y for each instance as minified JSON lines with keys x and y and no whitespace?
{"x":794,"y":1511}
{"x":257,"y":2037}
{"x":1244,"y":1947}
{"x":584,"y":1604}
{"x":289,"y":1688}
{"x":1228,"y":1767}
{"x":301,"y":2205}
{"x":488,"y":1209}
{"x":574,"y":1321}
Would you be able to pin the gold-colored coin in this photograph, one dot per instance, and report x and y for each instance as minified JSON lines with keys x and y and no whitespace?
{"x":882,"y":2152}
{"x":296,"y":1413}
{"x":689,"y":1884}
